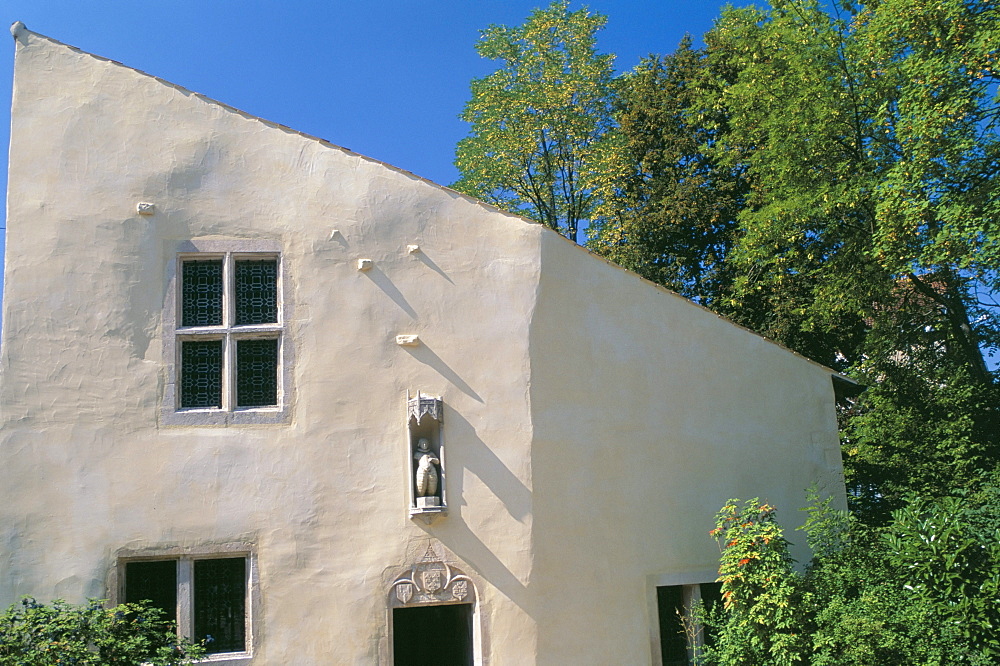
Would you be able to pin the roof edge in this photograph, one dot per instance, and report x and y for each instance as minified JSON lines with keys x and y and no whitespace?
{"x":20,"y":32}
{"x":834,"y":373}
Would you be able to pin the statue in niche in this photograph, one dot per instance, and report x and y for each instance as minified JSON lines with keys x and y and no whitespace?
{"x":426,"y":474}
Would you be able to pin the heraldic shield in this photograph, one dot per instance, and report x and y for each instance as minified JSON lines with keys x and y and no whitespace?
{"x":431,"y":581}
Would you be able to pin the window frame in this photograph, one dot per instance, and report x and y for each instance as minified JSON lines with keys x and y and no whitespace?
{"x":185,"y":559}
{"x":174,"y":335}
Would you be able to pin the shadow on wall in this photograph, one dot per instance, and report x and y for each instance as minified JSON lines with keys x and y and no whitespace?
{"x":383,"y":282}
{"x":475,"y":456}
{"x":427,"y":261}
{"x":467,"y":452}
{"x":425,"y":355}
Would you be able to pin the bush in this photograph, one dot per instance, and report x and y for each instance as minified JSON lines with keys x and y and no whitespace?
{"x":924,"y":589}
{"x":35,"y":634}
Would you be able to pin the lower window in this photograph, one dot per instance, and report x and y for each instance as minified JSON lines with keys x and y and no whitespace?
{"x":681,"y":635}
{"x":206,"y":597}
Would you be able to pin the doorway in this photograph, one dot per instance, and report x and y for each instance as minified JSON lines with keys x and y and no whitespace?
{"x":434,"y":635}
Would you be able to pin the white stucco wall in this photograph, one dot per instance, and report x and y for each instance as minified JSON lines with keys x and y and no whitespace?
{"x":649,"y":412}
{"x":86,"y":467}
{"x":594,"y":422}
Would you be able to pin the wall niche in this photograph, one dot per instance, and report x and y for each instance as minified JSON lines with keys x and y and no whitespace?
{"x":426,"y":457}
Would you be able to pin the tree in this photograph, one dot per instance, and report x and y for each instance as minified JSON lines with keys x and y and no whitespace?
{"x":830,"y":180}
{"x":666,"y":208}
{"x":35,"y":634}
{"x":873,"y":147}
{"x":536,"y":121}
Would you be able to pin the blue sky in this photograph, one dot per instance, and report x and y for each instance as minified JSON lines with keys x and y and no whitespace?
{"x":386,"y":79}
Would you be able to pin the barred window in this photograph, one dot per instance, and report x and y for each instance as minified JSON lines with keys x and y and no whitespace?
{"x":220,"y":603}
{"x":201,"y":377}
{"x":256,"y":376}
{"x":202,"y":297}
{"x":228,"y":341}
{"x":154,"y":581}
{"x":213,"y":608}
{"x":256,"y":292}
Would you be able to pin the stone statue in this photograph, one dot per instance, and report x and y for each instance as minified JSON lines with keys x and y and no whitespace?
{"x":426,"y":473}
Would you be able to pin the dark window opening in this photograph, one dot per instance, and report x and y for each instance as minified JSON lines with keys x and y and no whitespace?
{"x":216,"y":612}
{"x":680,"y":633}
{"x":673,"y":638}
{"x":711,"y":598}
{"x":220,"y":604}
{"x":155,"y":582}
{"x":201,"y":373}
{"x":257,"y":373}
{"x":432,"y":635}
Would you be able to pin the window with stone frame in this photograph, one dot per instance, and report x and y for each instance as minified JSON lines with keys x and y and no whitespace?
{"x":228,"y":334}
{"x":206,"y":597}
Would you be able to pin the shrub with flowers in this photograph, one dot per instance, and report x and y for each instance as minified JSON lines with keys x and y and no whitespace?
{"x":760,"y":589}
{"x":923,"y":590}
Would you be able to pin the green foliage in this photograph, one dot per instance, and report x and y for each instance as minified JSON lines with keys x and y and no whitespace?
{"x":921,"y":590}
{"x":35,"y":634}
{"x":829,"y":176}
{"x":855,"y":608}
{"x":867,"y":190}
{"x":537,"y":121}
{"x":950,"y":567}
{"x":759,"y":588}
{"x":925,"y":429}
{"x":666,"y":209}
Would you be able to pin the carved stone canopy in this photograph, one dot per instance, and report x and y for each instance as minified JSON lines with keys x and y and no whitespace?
{"x":422,"y":405}
{"x":431,"y":581}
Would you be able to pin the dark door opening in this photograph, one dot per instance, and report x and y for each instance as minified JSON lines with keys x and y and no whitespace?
{"x":432,"y":635}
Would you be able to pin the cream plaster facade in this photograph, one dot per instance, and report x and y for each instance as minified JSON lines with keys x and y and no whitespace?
{"x":594,"y":421}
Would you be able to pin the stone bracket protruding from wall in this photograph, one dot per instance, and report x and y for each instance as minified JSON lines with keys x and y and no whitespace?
{"x":17,"y":28}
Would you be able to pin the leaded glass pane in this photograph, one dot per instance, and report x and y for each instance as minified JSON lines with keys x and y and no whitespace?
{"x":256,"y":292}
{"x":257,"y":373}
{"x":201,"y":293}
{"x":201,"y":373}
{"x":155,"y":582}
{"x":220,"y":604}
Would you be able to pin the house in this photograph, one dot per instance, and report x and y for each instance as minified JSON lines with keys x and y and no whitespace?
{"x":328,"y":412}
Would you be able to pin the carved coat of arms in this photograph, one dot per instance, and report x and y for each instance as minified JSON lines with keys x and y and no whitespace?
{"x":431,"y":581}
{"x":404,"y":592}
